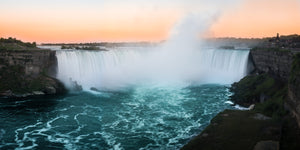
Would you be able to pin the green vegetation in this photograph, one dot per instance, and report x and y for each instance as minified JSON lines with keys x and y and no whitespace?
{"x":265,"y":91}
{"x":274,"y":107}
{"x":14,"y":44}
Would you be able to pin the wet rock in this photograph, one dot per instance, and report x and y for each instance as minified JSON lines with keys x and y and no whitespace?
{"x":50,"y":90}
{"x":7,"y":93}
{"x":94,"y":89}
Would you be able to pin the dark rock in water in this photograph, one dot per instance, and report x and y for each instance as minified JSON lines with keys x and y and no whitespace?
{"x":75,"y":86}
{"x":94,"y":89}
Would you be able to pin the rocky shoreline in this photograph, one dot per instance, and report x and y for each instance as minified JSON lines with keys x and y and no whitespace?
{"x":274,"y":121}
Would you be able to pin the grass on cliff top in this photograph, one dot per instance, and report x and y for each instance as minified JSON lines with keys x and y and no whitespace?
{"x":14,"y":44}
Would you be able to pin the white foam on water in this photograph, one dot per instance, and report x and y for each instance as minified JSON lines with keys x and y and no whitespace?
{"x":241,"y":107}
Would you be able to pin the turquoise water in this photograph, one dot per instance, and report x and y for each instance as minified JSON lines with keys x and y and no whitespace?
{"x":140,"y":117}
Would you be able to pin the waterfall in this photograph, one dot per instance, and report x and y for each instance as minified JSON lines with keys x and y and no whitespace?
{"x":123,"y":67}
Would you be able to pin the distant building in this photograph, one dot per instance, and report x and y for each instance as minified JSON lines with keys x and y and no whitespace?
{"x":277,"y":39}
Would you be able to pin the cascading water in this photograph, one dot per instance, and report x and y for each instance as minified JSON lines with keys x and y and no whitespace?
{"x":125,"y":67}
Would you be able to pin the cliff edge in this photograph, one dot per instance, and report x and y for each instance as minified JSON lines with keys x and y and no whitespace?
{"x":26,"y":70}
{"x":284,"y":65}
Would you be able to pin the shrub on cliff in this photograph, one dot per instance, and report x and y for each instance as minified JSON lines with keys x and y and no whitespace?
{"x":251,"y":89}
{"x":14,"y":44}
{"x":263,"y":90}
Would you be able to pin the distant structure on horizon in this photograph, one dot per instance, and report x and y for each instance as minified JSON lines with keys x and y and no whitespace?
{"x":283,"y":41}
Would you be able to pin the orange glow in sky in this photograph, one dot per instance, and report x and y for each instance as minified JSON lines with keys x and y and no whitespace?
{"x":133,"y":20}
{"x":260,"y":18}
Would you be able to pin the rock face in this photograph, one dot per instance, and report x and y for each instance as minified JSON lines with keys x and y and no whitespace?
{"x":274,"y":62}
{"x":285,"y":65}
{"x":33,"y":61}
{"x":28,"y":73}
{"x":294,"y":88}
{"x":294,"y":100}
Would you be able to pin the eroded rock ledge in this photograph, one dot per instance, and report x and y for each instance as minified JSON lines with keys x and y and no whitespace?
{"x":25,"y":73}
{"x":284,"y":65}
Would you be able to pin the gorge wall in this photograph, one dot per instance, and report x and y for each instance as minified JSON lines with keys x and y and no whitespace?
{"x":274,"y":62}
{"x":283,"y":64}
{"x":294,"y":87}
{"x":33,"y":61}
{"x":27,"y":73}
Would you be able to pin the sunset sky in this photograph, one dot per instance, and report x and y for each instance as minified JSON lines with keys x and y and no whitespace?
{"x":142,"y":20}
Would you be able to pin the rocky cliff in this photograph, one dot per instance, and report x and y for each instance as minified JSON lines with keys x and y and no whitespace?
{"x":294,"y":88}
{"x":275,"y":62}
{"x":28,"y":73}
{"x":33,"y":61}
{"x":285,"y":65}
